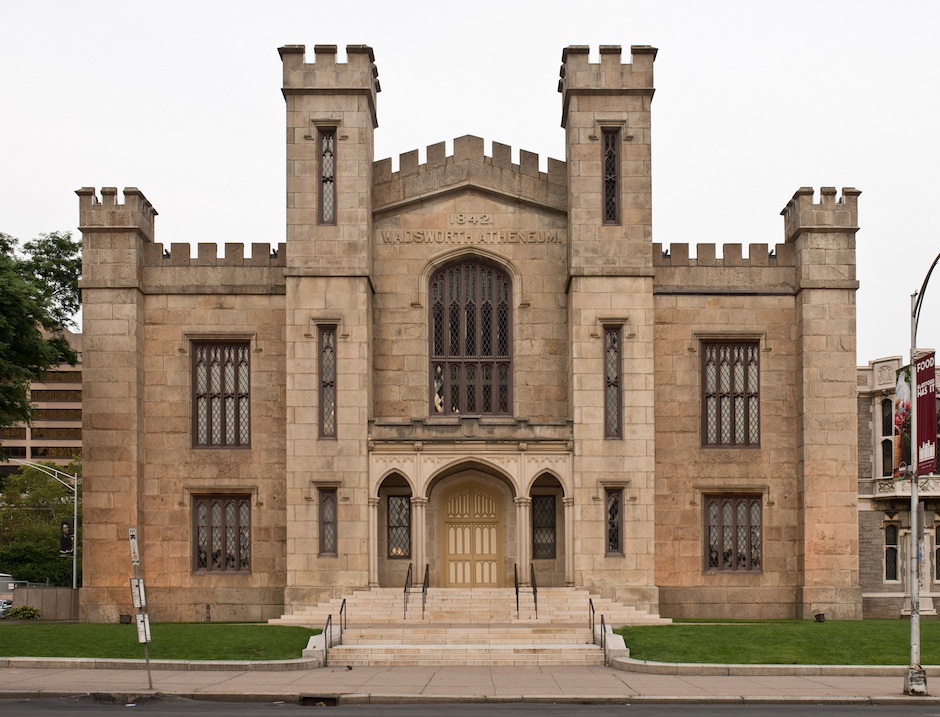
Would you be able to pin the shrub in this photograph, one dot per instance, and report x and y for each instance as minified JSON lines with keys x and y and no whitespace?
{"x":22,"y":612}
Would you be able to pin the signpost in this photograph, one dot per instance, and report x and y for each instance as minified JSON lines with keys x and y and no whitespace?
{"x":139,"y":598}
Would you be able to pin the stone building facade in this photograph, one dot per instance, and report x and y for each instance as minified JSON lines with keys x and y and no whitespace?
{"x":472,"y":367}
{"x":884,"y":503}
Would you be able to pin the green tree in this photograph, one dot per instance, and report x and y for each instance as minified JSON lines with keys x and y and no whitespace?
{"x":39,"y":294}
{"x":32,"y":508}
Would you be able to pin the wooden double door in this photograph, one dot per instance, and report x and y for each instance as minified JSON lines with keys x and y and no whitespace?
{"x":473,"y":537}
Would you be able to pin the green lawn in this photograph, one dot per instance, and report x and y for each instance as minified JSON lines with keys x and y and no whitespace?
{"x":170,"y":641}
{"x":784,"y":642}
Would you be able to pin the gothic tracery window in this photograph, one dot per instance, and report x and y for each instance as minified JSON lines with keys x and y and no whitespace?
{"x":471,"y":358}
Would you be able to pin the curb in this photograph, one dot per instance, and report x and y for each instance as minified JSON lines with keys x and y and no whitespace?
{"x":628,"y":664}
{"x":91,"y":663}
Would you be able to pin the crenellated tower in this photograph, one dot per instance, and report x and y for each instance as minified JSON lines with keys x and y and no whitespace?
{"x":115,"y":240}
{"x":606,"y":116}
{"x":823,"y":239}
{"x":331,"y":118}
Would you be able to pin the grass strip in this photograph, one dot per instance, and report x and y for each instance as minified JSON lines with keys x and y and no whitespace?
{"x":784,"y":642}
{"x":170,"y":641}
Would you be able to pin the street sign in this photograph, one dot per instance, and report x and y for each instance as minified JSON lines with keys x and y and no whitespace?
{"x":137,"y":592}
{"x":143,"y":628}
{"x":135,"y":553}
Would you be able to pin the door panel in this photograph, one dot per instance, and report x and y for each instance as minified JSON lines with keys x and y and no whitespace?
{"x":471,"y":526}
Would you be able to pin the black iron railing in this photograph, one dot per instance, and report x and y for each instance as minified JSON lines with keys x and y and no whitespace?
{"x":591,"y":616}
{"x":515,"y":580}
{"x":327,"y":637}
{"x":424,"y":588}
{"x":604,"y":639}
{"x":535,"y":589}
{"x":407,"y":591}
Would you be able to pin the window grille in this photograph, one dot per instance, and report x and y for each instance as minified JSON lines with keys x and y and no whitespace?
{"x":328,"y":522}
{"x":614,"y":503}
{"x":613,"y":401}
{"x":327,"y":381}
{"x":221,"y":397}
{"x":471,"y":362}
{"x":611,"y":167}
{"x":733,"y":525}
{"x":399,"y":526}
{"x":731,"y":393}
{"x":891,"y":553}
{"x":543,"y":527}
{"x":327,"y":176}
{"x":222,"y":528}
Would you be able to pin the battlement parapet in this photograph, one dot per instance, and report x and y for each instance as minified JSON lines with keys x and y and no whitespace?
{"x":180,"y":254}
{"x":759,"y":255}
{"x":95,"y":214}
{"x":764,"y":271}
{"x":831,"y":214}
{"x":469,"y":165}
{"x":610,"y":76}
{"x":358,"y":75}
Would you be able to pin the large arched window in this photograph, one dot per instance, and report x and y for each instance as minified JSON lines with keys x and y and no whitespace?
{"x":471,"y":360}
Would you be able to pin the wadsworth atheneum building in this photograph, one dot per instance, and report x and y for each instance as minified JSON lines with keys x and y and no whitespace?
{"x":472,"y":365}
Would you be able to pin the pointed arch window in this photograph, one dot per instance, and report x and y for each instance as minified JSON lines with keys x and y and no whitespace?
{"x":470,"y":335}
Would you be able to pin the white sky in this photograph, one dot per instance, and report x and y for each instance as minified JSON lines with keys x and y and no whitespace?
{"x":753,"y":100}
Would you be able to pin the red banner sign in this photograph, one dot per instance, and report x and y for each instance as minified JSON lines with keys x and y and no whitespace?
{"x":926,"y":397}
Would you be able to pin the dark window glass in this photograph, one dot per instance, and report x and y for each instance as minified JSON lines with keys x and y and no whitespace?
{"x":328,"y":382}
{"x":614,"y":503}
{"x":55,"y":451}
{"x":57,"y":414}
{"x":612,"y":387}
{"x":399,"y":526}
{"x":327,"y":176}
{"x":891,"y":552}
{"x":733,"y":532}
{"x":543,"y":527}
{"x":730,"y":393}
{"x":55,"y":395}
{"x":13,"y":432}
{"x":611,"y":167}
{"x":222,"y":533}
{"x":62,"y":377}
{"x":328,"y":528}
{"x":57,"y":434}
{"x":221,"y":394}
{"x":470,"y":337}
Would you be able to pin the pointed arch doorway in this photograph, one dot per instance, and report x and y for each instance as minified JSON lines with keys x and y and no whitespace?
{"x":472,"y":536}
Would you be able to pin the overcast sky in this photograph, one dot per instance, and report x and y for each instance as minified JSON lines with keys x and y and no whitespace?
{"x":753,"y":100}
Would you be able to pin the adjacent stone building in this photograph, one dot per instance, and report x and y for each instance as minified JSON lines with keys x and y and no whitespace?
{"x":473,"y":367}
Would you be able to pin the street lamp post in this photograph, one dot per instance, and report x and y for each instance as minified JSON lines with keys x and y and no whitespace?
{"x":54,"y":473}
{"x":915,"y":680}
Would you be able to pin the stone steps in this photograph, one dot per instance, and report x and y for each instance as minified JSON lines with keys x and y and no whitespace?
{"x":463,"y":655}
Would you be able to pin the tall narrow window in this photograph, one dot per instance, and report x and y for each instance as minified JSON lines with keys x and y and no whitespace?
{"x":221,"y":394}
{"x":327,"y":178}
{"x":399,"y":526}
{"x":733,"y":532}
{"x":470,"y":335}
{"x":327,"y":338}
{"x":730,"y":393}
{"x":327,"y":515}
{"x":614,"y":503}
{"x":612,"y":389}
{"x":221,"y":533}
{"x":543,"y":527}
{"x":611,"y":168}
{"x":891,"y":552}
{"x":887,"y":437}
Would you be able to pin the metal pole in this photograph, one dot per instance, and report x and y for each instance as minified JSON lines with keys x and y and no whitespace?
{"x":915,"y":680}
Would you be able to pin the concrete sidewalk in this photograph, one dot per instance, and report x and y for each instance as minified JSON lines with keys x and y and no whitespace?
{"x":363,"y":685}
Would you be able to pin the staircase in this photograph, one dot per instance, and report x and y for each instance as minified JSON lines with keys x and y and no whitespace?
{"x":478,"y":626}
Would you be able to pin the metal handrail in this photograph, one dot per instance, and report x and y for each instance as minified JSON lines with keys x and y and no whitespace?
{"x":515,"y":579}
{"x":424,"y":587}
{"x":535,"y":589}
{"x":591,"y":616}
{"x":407,"y":590}
{"x":604,"y":639}
{"x":342,"y":619}
{"x":327,"y":637}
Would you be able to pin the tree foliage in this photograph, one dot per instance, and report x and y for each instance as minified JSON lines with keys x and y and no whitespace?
{"x":32,"y":507}
{"x":39,"y":294}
